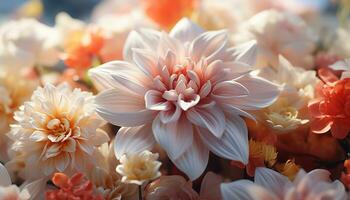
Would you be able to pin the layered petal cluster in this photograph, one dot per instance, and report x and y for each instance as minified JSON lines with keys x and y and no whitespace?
{"x":330,"y":110}
{"x":34,"y":43}
{"x":297,"y":89}
{"x":279,"y":33}
{"x":188,"y":89}
{"x":176,"y":187}
{"x":139,"y":168}
{"x":271,"y":185}
{"x":28,"y":191}
{"x":58,"y":130}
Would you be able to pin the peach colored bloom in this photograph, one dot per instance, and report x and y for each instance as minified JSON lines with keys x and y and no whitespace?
{"x":330,"y":109}
{"x":271,"y":185}
{"x":58,"y":130}
{"x":189,"y":92}
{"x":167,"y":12}
{"x":176,"y":187}
{"x":28,"y":191}
{"x":76,"y":187}
{"x":279,"y":33}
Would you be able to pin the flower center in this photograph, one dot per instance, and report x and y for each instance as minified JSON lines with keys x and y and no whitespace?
{"x":59,"y":129}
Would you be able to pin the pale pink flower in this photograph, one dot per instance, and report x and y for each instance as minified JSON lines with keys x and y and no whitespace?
{"x":58,"y":130}
{"x":188,"y":89}
{"x":271,"y":185}
{"x":342,"y":65}
{"x":176,"y":187}
{"x":279,"y":33}
{"x":9,"y":191}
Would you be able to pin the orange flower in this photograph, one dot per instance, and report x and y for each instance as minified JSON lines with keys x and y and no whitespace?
{"x":331,"y":110}
{"x":167,"y":12}
{"x":260,"y":155}
{"x":76,"y":187}
{"x":82,"y":50}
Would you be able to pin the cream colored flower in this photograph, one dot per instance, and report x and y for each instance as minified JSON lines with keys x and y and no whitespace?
{"x":279,"y":33}
{"x":34,"y":43}
{"x":106,"y":179}
{"x":57,"y":130}
{"x":297,"y":88}
{"x":14,"y":90}
{"x":139,"y":167}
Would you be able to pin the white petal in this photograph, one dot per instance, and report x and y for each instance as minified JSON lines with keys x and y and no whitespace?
{"x":146,"y":61}
{"x":86,"y":147}
{"x":122,"y":108}
{"x":233,"y":144}
{"x":245,"y":190}
{"x":341,"y":65}
{"x":185,"y":30}
{"x":229,"y":89}
{"x":210,"y":117}
{"x":144,"y":39}
{"x":5,"y":179}
{"x":70,"y":145}
{"x":208,"y":44}
{"x":271,"y":180}
{"x":167,"y":43}
{"x":170,"y":115}
{"x":194,"y":161}
{"x":133,"y":140}
{"x":120,"y":74}
{"x":62,"y":162}
{"x":35,"y":188}
{"x":262,"y":93}
{"x":175,"y":137}
{"x":246,"y":52}
{"x":38,"y":136}
{"x":155,"y":101}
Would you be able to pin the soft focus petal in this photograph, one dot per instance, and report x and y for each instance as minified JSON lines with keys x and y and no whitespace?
{"x":5,"y":179}
{"x":185,"y":30}
{"x":246,"y":52}
{"x":133,"y":140}
{"x":271,"y":180}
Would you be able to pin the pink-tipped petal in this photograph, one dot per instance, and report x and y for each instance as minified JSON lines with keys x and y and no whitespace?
{"x":246,"y":52}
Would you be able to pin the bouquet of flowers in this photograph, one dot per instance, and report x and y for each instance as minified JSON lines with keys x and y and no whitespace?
{"x":177,"y":100}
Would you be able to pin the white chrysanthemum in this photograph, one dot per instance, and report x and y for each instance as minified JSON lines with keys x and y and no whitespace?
{"x":279,"y":33}
{"x":57,"y":130}
{"x":34,"y":43}
{"x":297,"y":86}
{"x":139,"y":167}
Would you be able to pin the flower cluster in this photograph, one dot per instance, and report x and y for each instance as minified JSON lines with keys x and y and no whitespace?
{"x":176,"y":99}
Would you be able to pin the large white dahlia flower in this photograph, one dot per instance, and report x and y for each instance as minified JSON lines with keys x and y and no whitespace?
{"x":188,"y":89}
